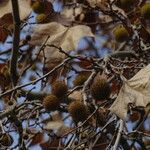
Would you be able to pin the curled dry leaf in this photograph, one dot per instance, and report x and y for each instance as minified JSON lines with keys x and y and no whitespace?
{"x":57,"y":125}
{"x":135,"y":91}
{"x":71,"y":13}
{"x":65,"y":37}
{"x":77,"y":95}
{"x":24,"y":7}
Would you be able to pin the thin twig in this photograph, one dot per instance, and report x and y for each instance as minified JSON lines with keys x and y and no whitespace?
{"x":118,"y":135}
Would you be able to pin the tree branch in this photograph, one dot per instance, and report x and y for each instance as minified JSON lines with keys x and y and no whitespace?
{"x":16,"y":39}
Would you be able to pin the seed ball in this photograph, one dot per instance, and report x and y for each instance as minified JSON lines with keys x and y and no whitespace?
{"x":145,"y":11}
{"x":59,"y":88}
{"x":100,"y":88}
{"x":6,"y":140}
{"x":41,"y":18}
{"x":51,"y":102}
{"x":121,"y":34}
{"x":28,"y":37}
{"x":78,"y":111}
{"x":38,"y":7}
{"x":81,"y":78}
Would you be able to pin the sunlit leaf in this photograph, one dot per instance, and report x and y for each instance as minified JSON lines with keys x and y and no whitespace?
{"x":135,"y":91}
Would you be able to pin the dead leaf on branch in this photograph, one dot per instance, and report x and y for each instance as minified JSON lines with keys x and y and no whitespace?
{"x":57,"y":125}
{"x":24,"y":7}
{"x":65,"y":37}
{"x":135,"y":91}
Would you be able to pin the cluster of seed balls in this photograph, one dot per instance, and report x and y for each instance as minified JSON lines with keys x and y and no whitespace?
{"x":100,"y":90}
{"x":121,"y":34}
{"x":52,"y":101}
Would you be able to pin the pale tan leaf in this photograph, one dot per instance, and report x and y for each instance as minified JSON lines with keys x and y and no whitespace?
{"x":24,"y":8}
{"x":57,"y":125}
{"x":70,"y":13}
{"x":77,"y":95}
{"x":105,"y":19}
{"x":135,"y":91}
{"x":65,"y":37}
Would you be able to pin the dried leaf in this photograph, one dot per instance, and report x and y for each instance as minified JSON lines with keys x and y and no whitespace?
{"x":71,"y":13}
{"x":77,"y":95}
{"x":50,"y":145}
{"x":24,"y":7}
{"x":57,"y":125}
{"x":37,"y":139}
{"x":3,"y":34}
{"x":135,"y":91}
{"x":105,"y":19}
{"x":65,"y":37}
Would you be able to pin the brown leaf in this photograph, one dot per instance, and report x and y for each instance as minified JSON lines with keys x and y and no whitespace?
{"x":6,"y":20}
{"x":37,"y":139}
{"x":3,"y":34}
{"x":50,"y":145}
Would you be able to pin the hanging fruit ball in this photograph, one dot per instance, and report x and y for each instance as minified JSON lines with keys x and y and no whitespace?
{"x":145,"y":11}
{"x":59,"y":88}
{"x":41,"y":18}
{"x":38,"y":7}
{"x":81,"y":78}
{"x":100,"y":88}
{"x":51,"y":102}
{"x":78,"y":111}
{"x":121,"y":34}
{"x":6,"y":140}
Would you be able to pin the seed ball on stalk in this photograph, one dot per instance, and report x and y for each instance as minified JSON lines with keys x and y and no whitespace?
{"x":38,"y":7}
{"x":41,"y":18}
{"x":6,"y":140}
{"x":81,"y":78}
{"x":51,"y":102}
{"x":145,"y":11}
{"x":100,"y":88}
{"x":121,"y":34}
{"x":78,"y":111}
{"x":59,"y":88}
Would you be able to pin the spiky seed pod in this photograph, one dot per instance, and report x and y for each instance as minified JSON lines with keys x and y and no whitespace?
{"x":121,"y":34}
{"x":100,"y":88}
{"x":145,"y":11}
{"x":81,"y":78}
{"x":6,"y":140}
{"x":59,"y":88}
{"x":38,"y":7}
{"x":51,"y":102}
{"x":41,"y":18}
{"x":78,"y":111}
